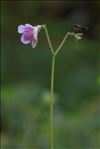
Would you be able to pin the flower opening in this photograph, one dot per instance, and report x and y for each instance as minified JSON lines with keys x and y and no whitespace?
{"x":29,"y":34}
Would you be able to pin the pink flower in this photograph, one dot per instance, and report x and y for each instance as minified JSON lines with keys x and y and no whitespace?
{"x":29,"y":34}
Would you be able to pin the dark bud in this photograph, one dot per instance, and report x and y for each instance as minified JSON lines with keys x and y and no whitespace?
{"x":79,"y":28}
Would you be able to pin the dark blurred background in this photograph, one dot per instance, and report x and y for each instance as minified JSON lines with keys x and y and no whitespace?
{"x":25,"y":77}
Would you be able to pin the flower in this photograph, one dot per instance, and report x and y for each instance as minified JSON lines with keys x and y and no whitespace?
{"x":29,"y":34}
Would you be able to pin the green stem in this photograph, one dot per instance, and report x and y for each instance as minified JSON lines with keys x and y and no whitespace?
{"x":51,"y":101}
{"x":52,"y":79}
{"x":63,"y":41}
{"x":52,"y":85}
{"x":48,"y":39}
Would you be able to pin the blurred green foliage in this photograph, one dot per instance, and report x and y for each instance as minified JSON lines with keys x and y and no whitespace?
{"x":25,"y":77}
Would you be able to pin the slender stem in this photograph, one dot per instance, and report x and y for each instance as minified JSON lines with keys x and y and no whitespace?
{"x":52,"y":85}
{"x":52,"y":79}
{"x":51,"y":101}
{"x":63,"y":41}
{"x":48,"y":38}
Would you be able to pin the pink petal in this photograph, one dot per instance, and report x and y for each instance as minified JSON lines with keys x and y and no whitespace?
{"x":21,"y":29}
{"x":25,"y":39}
{"x":35,"y":32}
{"x":34,"y":43}
{"x":28,"y":25}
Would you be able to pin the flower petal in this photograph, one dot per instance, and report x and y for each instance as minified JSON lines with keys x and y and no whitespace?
{"x":21,"y":29}
{"x":35,"y":32}
{"x":34,"y":43}
{"x":28,"y":25}
{"x":25,"y":39}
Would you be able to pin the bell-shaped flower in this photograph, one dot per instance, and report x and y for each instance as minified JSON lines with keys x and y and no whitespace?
{"x":29,"y":34}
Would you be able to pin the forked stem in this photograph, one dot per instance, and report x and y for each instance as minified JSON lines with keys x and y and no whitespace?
{"x":54,"y":53}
